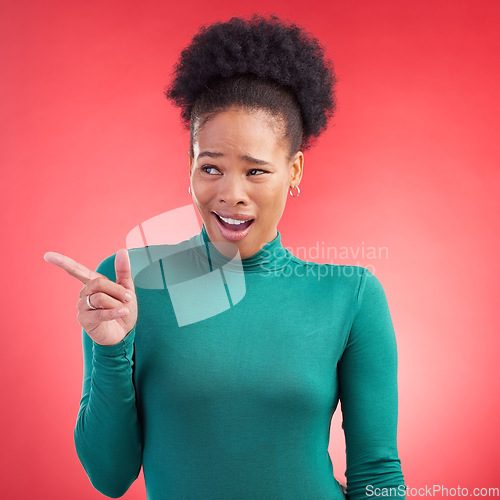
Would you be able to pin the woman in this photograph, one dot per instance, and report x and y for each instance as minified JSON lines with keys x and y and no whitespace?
{"x":235,"y":401}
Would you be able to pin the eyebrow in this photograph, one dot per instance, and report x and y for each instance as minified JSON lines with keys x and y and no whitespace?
{"x":250,"y":159}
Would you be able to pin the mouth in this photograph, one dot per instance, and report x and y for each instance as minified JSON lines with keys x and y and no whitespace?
{"x":233,"y":229}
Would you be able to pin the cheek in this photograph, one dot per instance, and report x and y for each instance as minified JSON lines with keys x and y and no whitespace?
{"x":275,"y":200}
{"x":203,"y":192}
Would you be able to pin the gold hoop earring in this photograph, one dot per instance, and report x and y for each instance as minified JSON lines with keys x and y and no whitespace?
{"x":298,"y":191}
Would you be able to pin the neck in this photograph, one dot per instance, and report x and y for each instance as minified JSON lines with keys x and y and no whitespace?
{"x":271,"y":256}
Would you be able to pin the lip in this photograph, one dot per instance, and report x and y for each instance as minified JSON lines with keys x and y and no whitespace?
{"x":228,"y":215}
{"x":232,"y":235}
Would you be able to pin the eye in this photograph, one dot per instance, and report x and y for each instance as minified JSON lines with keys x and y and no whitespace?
{"x":208,"y":168}
{"x":257,"y":170}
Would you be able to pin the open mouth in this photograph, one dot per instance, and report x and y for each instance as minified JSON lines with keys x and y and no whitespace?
{"x":232,"y":229}
{"x":233,"y":224}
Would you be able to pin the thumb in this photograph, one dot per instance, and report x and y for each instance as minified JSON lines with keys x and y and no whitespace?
{"x":123,"y":269}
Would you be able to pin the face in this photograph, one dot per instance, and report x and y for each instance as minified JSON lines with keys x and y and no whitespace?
{"x":240,"y":177}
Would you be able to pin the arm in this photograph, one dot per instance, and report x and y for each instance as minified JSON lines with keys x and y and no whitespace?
{"x":369,"y":396}
{"x":107,"y":433}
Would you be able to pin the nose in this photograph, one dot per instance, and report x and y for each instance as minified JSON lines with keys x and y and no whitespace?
{"x":232,"y":191}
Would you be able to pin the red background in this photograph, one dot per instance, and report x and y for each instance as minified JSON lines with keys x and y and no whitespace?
{"x":90,"y":148}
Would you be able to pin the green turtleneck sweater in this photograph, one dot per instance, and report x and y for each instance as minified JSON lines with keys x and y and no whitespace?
{"x":226,"y":387}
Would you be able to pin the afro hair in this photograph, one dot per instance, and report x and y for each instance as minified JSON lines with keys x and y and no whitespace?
{"x":287,"y":61}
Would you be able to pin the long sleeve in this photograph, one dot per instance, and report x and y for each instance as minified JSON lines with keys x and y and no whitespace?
{"x":368,"y":389}
{"x":107,"y":433}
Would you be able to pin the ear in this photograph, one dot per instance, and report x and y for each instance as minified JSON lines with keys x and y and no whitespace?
{"x":296,"y":168}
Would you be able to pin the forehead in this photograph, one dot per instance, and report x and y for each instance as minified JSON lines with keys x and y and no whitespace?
{"x":240,"y":130}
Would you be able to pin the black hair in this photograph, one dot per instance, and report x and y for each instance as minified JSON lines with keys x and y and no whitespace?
{"x":256,"y":63}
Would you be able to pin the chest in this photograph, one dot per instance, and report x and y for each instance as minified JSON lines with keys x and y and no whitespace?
{"x":278,"y":345}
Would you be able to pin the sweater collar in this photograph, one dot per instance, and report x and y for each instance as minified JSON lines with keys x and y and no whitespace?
{"x":271,"y":257}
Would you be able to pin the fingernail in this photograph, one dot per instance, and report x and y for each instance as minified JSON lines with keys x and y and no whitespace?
{"x":128,"y":296}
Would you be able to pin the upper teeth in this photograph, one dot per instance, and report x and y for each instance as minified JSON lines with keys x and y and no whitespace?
{"x":232,"y":221}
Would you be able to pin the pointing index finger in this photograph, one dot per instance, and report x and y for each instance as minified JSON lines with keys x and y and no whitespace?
{"x":72,"y":267}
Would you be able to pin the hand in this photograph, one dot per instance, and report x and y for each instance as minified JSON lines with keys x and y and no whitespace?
{"x":105,"y":325}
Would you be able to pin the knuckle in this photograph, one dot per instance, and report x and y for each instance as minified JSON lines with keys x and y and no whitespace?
{"x":92,"y":282}
{"x":96,"y":299}
{"x":100,"y":282}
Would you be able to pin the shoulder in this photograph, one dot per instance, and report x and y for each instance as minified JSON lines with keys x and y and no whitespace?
{"x":344,"y":272}
{"x":348,"y":281}
{"x":370,"y":285}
